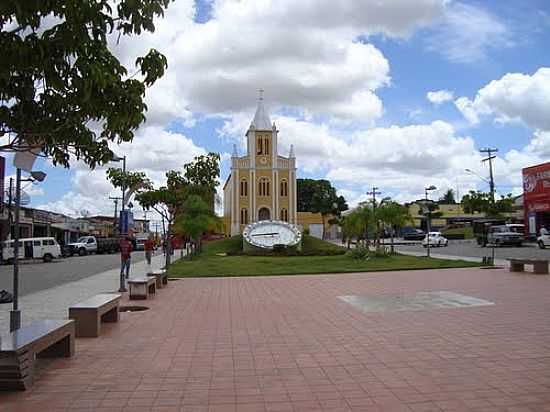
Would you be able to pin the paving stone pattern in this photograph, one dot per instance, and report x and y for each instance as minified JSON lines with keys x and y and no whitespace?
{"x":289,"y":344}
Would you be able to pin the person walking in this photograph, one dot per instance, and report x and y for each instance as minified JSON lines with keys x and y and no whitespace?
{"x":148,"y":247}
{"x":126,"y":249}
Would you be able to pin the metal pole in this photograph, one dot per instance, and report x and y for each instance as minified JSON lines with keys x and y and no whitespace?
{"x":123,"y":185}
{"x":428,"y":223}
{"x":491,"y":178}
{"x":15,"y":314}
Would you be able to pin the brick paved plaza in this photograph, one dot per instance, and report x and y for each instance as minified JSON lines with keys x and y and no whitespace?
{"x":291,"y":344}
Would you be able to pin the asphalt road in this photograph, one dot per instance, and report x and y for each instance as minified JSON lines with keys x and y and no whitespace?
{"x":36,"y":275}
{"x":471,"y":249}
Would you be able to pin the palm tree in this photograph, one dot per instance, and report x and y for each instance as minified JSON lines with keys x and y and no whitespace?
{"x":395,"y":216}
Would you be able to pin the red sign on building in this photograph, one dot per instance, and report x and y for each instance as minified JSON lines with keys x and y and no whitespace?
{"x":536,"y":197}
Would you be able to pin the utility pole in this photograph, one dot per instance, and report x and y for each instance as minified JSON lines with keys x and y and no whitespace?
{"x":373,"y":193}
{"x":115,"y":200}
{"x":489,"y":151}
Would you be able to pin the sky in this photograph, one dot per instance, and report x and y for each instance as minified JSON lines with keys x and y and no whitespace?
{"x":398,"y":94}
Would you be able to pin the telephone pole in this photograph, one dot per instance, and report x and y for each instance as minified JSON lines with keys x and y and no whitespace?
{"x":490,"y":152}
{"x":373,"y":193}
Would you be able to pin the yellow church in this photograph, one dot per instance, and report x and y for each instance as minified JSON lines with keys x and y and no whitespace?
{"x":262,"y":184}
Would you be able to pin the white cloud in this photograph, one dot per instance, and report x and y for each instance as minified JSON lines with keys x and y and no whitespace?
{"x":466,"y":33}
{"x":514,"y":97}
{"x":440,"y":96}
{"x":305,"y":54}
{"x":153,"y":151}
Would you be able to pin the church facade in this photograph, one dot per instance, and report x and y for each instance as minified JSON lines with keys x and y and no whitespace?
{"x":262,"y":184}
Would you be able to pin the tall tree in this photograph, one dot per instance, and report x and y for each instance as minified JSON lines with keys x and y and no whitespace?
{"x":59,"y":81}
{"x":326,"y":202}
{"x":448,"y":198}
{"x":196,"y":219}
{"x":167,"y":201}
{"x":204,"y":172}
{"x":394,"y":216}
{"x":482,"y":202}
{"x":318,"y":196}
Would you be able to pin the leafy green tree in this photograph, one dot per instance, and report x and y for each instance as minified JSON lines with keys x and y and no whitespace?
{"x":204,"y":172}
{"x":129,"y":180}
{"x":167,"y":201}
{"x":394,"y":216}
{"x":448,"y":198}
{"x":196,"y":219}
{"x":318,"y":196}
{"x":482,"y":202}
{"x":59,"y":80}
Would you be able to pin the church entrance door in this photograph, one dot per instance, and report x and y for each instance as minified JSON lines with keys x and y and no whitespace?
{"x":264,"y":214}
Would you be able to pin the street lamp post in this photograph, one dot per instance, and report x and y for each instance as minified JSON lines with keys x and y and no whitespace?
{"x":428,"y":221}
{"x":15,"y":313}
{"x":122,"y":286}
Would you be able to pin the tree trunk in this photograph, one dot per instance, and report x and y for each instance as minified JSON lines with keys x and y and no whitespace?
{"x":323,"y":220}
{"x":392,"y":249}
{"x":168,"y":245}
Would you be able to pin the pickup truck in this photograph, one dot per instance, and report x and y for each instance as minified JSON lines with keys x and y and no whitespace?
{"x":90,"y":244}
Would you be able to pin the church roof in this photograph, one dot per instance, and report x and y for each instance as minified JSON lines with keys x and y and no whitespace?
{"x":261,"y":118}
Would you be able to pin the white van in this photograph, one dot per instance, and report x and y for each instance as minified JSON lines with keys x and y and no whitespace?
{"x":45,"y":248}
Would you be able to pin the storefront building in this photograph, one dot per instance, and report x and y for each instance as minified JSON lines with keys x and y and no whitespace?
{"x":536,"y":198}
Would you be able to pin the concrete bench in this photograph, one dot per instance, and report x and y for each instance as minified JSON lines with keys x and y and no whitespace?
{"x":89,"y":314}
{"x":20,"y":349}
{"x":142,"y":288}
{"x":540,"y":267}
{"x":161,"y":277}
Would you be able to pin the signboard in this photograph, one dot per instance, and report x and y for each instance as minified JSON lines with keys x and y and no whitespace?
{"x":24,"y":160}
{"x":536,"y":196}
{"x":536,"y":182}
{"x":126,"y":222}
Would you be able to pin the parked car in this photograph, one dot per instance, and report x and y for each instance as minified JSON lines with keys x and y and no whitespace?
{"x":45,"y":248}
{"x":505,"y":235}
{"x":544,"y":239}
{"x":90,"y":244}
{"x":481,"y":229}
{"x":412,"y":233}
{"x":435,"y":239}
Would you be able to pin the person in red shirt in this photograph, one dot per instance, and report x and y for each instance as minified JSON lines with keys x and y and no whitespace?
{"x":126,"y":249}
{"x":148,"y":247}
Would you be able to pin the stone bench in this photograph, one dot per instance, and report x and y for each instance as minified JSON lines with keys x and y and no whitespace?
{"x":161,"y":277}
{"x":540,"y":267}
{"x":89,"y":314}
{"x":20,"y":349}
{"x":142,"y":288}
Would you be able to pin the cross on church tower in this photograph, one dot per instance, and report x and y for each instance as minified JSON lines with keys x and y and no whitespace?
{"x":261,"y":94}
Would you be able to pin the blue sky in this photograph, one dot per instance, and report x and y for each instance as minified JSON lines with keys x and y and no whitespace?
{"x":347,"y":84}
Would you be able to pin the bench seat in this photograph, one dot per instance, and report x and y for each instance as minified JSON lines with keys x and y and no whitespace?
{"x":20,"y":349}
{"x":540,"y":267}
{"x":89,"y":314}
{"x":142,"y":288}
{"x":161,"y":277}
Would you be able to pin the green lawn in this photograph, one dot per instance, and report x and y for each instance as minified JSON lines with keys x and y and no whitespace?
{"x":209,"y":264}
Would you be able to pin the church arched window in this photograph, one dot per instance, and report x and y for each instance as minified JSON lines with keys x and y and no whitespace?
{"x":266,"y":145}
{"x":259,"y":149}
{"x":284,"y":188}
{"x":263,"y":186}
{"x":244,"y":187}
{"x":244,"y":216}
{"x":284,"y":215}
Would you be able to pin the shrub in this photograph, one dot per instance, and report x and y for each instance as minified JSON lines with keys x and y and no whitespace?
{"x":359,"y":252}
